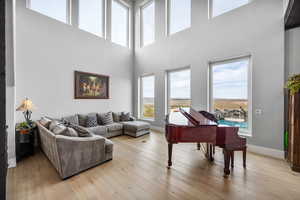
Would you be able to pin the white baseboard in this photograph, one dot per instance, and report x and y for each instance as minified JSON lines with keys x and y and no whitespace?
{"x":266,"y":151}
{"x":159,"y":129}
{"x":12,"y":163}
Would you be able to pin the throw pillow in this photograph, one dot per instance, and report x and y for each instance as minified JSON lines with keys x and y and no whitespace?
{"x":91,"y":120}
{"x":53,"y":124}
{"x":125,"y":117}
{"x":45,"y":122}
{"x":81,"y":131}
{"x":116,"y":117}
{"x":82,"y":120}
{"x":59,"y":129}
{"x":70,"y":132}
{"x":73,"y":119}
{"x":107,"y":118}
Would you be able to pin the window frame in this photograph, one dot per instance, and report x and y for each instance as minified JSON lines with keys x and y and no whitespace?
{"x":141,"y":7}
{"x":211,"y":13}
{"x":141,"y":102}
{"x":168,"y":18}
{"x":104,"y":18}
{"x":128,"y":31}
{"x":168,"y":88}
{"x":68,"y":11}
{"x":243,"y":132}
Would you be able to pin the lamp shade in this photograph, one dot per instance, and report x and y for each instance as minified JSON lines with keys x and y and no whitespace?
{"x":26,"y":105}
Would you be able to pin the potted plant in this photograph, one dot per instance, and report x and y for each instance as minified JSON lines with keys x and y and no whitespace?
{"x":293,"y":84}
{"x":24,"y":127}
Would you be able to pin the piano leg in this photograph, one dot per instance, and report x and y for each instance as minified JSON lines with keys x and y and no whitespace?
{"x":207,"y":153}
{"x":232,"y":159}
{"x":244,"y":157}
{"x":211,"y":156}
{"x":170,"y":149}
{"x":226,"y":162}
{"x":198,"y":146}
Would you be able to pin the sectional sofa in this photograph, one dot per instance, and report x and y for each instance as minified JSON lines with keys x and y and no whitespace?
{"x":71,"y":155}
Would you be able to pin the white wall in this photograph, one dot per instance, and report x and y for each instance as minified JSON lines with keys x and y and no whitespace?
{"x":48,"y":52}
{"x":255,"y":29}
{"x":292,"y":50}
{"x":10,"y":81}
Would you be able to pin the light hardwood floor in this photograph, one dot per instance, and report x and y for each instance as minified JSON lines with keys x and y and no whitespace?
{"x":138,"y":171}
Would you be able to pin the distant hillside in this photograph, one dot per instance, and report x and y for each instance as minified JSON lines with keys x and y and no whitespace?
{"x":231,"y":104}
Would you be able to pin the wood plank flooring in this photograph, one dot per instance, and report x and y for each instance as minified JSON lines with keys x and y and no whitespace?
{"x":138,"y":171}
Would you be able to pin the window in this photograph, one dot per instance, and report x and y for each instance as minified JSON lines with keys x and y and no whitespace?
{"x":147,"y":23}
{"x":179,"y":89}
{"x":219,"y":7}
{"x":179,"y":15}
{"x":147,"y":97}
{"x":230,"y":93}
{"x":57,"y":9}
{"x":120,"y":23}
{"x":91,"y":16}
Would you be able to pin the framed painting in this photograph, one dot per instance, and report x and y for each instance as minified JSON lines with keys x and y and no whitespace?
{"x":91,"y":86}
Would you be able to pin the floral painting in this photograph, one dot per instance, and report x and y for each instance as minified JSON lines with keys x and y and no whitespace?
{"x":91,"y":86}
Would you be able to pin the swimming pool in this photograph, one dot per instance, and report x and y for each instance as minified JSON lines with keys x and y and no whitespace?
{"x":236,"y":124}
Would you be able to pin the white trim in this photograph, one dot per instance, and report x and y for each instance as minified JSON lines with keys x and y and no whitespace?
{"x":141,"y":102}
{"x":144,"y":5}
{"x":274,"y":153}
{"x":246,"y":132}
{"x":11,"y":163}
{"x":167,"y":92}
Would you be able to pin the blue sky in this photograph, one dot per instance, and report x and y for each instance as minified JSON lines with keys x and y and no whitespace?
{"x":148,"y":18}
{"x":221,"y":6}
{"x":180,"y":15}
{"x":54,"y":8}
{"x":230,"y":80}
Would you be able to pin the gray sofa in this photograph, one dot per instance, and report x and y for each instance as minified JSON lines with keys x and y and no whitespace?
{"x":71,"y":155}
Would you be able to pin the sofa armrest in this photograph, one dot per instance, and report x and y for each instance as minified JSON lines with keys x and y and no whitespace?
{"x":79,"y":153}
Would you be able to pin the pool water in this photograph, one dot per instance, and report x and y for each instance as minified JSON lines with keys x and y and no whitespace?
{"x":235,"y":124}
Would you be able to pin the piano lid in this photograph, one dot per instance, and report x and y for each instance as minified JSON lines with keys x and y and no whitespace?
{"x":189,"y":117}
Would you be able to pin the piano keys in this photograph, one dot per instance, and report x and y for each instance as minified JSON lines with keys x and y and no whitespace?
{"x":190,"y":126}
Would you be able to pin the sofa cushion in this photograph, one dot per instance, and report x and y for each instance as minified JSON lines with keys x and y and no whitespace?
{"x":108,"y":146}
{"x":107,"y":118}
{"x":59,"y":129}
{"x":91,"y":120}
{"x":125,"y":117}
{"x":53,"y":124}
{"x":134,"y":126}
{"x":98,"y":130}
{"x":45,"y":122}
{"x":70,"y":132}
{"x":114,"y":127}
{"x":116,"y":116}
{"x":81,"y":131}
{"x":73,"y":119}
{"x":82,"y":120}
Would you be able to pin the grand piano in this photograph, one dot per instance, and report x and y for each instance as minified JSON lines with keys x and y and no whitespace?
{"x":191,"y":126}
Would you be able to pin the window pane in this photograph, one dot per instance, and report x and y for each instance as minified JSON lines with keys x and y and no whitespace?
{"x":147,"y":109}
{"x":230,"y":92}
{"x":56,"y":9}
{"x":180,"y":15}
{"x":147,"y":24}
{"x":180,"y":89}
{"x":91,"y":16}
{"x":120,"y":15}
{"x":223,"y":6}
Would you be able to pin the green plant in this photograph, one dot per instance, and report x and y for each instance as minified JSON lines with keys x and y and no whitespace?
{"x":293,"y":84}
{"x":24,"y":125}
